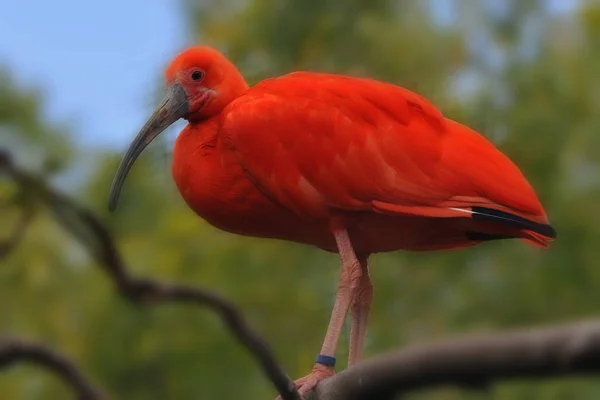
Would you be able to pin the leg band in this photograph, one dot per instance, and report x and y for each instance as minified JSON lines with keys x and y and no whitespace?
{"x":326,"y":360}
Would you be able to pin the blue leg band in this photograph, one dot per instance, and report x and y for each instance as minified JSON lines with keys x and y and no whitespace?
{"x":326,"y":360}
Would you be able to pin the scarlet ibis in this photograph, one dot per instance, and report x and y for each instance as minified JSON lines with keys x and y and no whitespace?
{"x":349,"y":165}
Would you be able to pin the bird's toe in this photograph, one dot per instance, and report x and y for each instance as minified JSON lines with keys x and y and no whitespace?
{"x":307,"y":383}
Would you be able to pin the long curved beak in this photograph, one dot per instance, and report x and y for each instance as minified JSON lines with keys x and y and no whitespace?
{"x":173,"y":106}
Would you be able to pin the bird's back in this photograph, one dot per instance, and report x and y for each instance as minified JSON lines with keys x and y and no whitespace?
{"x":321,"y":143}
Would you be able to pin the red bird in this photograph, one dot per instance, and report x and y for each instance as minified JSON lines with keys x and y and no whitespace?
{"x":349,"y":165}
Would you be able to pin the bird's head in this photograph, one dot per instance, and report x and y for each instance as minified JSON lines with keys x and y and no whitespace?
{"x":199,"y":82}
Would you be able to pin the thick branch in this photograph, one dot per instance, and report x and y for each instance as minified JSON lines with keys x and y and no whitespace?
{"x":474,"y":360}
{"x":13,"y":351}
{"x":91,"y":232}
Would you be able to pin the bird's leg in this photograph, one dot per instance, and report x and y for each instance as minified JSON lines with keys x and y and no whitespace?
{"x":349,"y":281}
{"x":360,"y":308}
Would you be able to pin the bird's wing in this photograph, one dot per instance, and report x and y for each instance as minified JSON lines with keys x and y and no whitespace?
{"x":317,"y":142}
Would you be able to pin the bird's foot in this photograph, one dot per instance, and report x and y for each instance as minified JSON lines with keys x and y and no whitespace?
{"x":308,"y":382}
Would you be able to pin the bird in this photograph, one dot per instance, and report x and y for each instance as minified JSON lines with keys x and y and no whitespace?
{"x":349,"y":165}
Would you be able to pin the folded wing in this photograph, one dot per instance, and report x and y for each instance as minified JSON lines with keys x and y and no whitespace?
{"x":318,"y":142}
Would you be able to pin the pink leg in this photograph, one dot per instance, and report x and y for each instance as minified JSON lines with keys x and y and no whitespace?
{"x":360,"y":314}
{"x":349,"y":281}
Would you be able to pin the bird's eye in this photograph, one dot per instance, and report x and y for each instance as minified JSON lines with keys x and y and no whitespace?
{"x":197,"y":75}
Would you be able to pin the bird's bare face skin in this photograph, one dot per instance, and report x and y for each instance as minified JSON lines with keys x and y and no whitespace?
{"x":194,"y":82}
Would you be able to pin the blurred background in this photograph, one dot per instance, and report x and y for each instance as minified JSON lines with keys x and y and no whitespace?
{"x":78,"y":79}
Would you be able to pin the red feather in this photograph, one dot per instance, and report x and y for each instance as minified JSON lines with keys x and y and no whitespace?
{"x":317,"y":143}
{"x":350,"y":165}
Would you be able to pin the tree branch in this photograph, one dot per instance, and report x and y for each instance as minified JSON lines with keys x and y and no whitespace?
{"x":94,"y":236}
{"x":26,"y":216}
{"x":12,"y":241}
{"x":14,"y":350}
{"x":471,"y":361}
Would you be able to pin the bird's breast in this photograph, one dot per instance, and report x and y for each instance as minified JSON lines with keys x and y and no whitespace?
{"x":216,"y":188}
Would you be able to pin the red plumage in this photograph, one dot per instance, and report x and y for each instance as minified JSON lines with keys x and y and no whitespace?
{"x":320,"y":144}
{"x":350,"y":165}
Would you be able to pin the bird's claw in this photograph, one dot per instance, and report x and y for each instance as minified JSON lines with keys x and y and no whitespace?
{"x":307,"y":383}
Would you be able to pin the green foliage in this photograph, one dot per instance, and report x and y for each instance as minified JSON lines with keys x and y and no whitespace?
{"x":539,"y":106}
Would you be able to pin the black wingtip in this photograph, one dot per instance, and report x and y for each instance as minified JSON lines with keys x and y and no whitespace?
{"x":489,"y":214}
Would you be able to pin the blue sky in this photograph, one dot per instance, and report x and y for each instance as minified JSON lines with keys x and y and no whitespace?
{"x":99,"y":61}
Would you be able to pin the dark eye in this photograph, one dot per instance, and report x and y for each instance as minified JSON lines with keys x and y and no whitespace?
{"x":197,"y":75}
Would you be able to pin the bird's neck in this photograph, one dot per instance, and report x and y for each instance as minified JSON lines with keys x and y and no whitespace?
{"x":202,"y":171}
{"x":193,"y":152}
